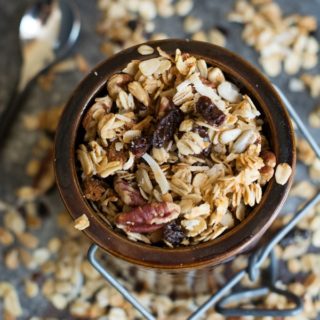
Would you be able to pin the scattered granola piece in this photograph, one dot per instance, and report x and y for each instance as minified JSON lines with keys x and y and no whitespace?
{"x":82,"y":222}
{"x":28,"y":240}
{"x":11,"y":259}
{"x":183,"y":7}
{"x":192,"y":24}
{"x":305,"y":152}
{"x":314,"y":170}
{"x":296,"y":85}
{"x":312,"y":82}
{"x":303,"y":189}
{"x":31,"y":288}
{"x":314,"y":118}
{"x":14,"y":221}
{"x":283,"y":173}
{"x":217,"y":37}
{"x":11,"y":302}
{"x":6,"y":237}
{"x":279,"y":40}
{"x":145,"y":50}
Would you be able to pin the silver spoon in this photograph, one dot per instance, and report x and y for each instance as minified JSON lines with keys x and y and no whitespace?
{"x":48,"y":29}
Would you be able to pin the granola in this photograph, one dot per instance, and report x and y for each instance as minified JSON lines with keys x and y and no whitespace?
{"x":174,"y":149}
{"x":283,"y":42}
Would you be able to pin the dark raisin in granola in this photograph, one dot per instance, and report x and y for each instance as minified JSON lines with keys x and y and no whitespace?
{"x":166,"y":127}
{"x":173,"y":233}
{"x":139,"y":146}
{"x":202,"y":131}
{"x":210,"y":112}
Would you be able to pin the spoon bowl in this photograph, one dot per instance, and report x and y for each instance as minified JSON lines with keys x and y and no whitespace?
{"x":48,"y":30}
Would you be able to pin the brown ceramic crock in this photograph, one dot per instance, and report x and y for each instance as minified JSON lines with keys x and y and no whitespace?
{"x":197,"y":257}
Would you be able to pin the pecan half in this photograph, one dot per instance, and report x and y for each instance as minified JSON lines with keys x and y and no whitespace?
{"x":166,"y":127}
{"x":128,"y":194}
{"x":148,"y":218}
{"x":210,"y":112}
{"x":93,"y":189}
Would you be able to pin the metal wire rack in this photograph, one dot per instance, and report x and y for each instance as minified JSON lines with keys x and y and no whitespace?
{"x":224,"y":296}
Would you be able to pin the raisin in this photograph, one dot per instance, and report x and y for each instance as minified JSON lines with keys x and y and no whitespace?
{"x":295,"y":236}
{"x":139,"y":146}
{"x":210,"y":112}
{"x":173,"y":233}
{"x":202,"y":131}
{"x":166,"y":127}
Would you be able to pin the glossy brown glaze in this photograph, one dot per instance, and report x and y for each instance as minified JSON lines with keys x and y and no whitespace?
{"x":278,"y":128}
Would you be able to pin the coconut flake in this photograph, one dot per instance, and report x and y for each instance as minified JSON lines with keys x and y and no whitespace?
{"x":158,"y":173}
{"x":203,"y":89}
{"x":130,"y":162}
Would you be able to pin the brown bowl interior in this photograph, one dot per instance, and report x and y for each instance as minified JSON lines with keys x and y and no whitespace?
{"x":278,"y":129}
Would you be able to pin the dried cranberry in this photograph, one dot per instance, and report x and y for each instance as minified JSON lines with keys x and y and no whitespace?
{"x":173,"y":233}
{"x":210,"y":112}
{"x":166,"y":127}
{"x":139,"y":146}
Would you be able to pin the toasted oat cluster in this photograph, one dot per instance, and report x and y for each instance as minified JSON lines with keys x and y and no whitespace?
{"x":174,"y":154}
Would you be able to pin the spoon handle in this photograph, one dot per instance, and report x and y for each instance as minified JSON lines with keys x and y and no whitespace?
{"x":10,"y":113}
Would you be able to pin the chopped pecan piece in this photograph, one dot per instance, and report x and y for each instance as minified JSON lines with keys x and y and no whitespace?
{"x":94,"y":188}
{"x":128,"y":194}
{"x":210,"y":112}
{"x":114,"y":155}
{"x":148,"y":218}
{"x":166,"y":127}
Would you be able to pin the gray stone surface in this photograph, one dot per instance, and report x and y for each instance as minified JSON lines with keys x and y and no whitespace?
{"x":20,"y":142}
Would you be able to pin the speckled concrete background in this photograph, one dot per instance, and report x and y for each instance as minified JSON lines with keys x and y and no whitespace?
{"x":17,"y":151}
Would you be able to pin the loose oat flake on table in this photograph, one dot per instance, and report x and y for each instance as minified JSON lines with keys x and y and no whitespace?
{"x":174,"y":153}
